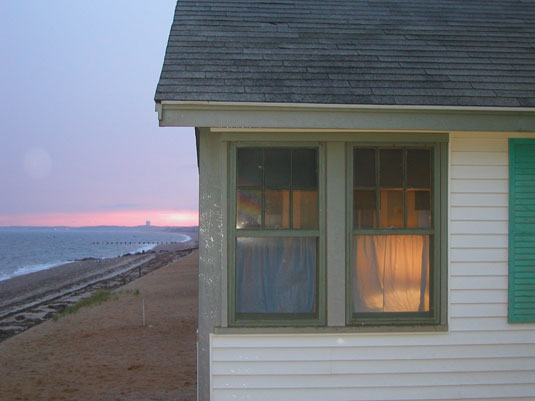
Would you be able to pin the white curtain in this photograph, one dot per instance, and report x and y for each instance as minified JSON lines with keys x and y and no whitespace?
{"x":391,"y":273}
{"x":276,"y":275}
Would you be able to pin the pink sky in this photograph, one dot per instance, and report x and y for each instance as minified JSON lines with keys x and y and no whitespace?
{"x":87,"y":149}
{"x":111,"y":218}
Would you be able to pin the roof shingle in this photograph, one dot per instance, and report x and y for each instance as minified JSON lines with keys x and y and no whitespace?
{"x":400,"y":52}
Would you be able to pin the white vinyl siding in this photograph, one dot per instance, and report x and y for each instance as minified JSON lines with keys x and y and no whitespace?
{"x":481,"y":357}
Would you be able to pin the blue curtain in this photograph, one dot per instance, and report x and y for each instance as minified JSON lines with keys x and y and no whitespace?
{"x":276,"y":275}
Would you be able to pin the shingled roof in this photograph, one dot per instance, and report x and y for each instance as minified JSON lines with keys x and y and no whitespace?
{"x":365,"y":52}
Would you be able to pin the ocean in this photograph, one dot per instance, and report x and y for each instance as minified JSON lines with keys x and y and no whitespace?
{"x":25,"y":250}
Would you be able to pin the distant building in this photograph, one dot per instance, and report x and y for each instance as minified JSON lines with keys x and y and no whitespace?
{"x":147,"y":223}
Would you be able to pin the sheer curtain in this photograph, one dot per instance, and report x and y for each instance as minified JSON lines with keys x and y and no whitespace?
{"x":391,"y":273}
{"x":276,"y":275}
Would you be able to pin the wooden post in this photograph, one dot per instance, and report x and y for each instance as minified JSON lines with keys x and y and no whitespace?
{"x":143,"y":309}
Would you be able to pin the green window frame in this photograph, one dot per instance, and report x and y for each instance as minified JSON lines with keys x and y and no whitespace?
{"x":261,"y":231}
{"x":436,"y":314}
{"x":521,"y":305}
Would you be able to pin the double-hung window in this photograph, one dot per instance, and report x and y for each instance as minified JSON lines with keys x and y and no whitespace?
{"x":395,"y":211}
{"x":276,"y":247}
{"x":394,"y":228}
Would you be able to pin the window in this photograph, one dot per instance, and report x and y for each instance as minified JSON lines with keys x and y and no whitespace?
{"x":276,"y":262}
{"x":394,"y":235}
{"x":394,"y":222}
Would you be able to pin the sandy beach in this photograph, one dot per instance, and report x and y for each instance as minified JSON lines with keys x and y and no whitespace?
{"x":33,"y":298}
{"x":104,"y":352}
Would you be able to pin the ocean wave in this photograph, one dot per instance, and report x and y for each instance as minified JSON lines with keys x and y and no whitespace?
{"x":186,"y":238}
{"x":44,"y":243}
{"x":150,"y":247}
{"x":21,"y":271}
{"x":145,"y":248}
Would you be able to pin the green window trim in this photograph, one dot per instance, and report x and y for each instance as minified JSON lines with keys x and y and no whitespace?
{"x":521,"y":297}
{"x":292,"y":322}
{"x":437,"y":315}
{"x":272,"y":319}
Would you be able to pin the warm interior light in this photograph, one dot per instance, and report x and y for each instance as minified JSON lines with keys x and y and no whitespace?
{"x":391,"y":273}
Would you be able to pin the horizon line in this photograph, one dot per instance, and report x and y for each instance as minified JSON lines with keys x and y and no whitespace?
{"x":125,"y":218}
{"x":98,"y":225}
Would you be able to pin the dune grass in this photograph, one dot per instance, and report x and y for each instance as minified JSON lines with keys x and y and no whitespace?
{"x":96,"y":299}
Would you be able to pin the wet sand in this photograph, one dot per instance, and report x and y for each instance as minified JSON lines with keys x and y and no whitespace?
{"x":105,"y":353}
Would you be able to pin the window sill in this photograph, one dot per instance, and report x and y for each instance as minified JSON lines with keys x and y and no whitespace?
{"x":332,"y":329}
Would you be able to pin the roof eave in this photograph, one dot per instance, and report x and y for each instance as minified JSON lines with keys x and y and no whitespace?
{"x":345,"y":116}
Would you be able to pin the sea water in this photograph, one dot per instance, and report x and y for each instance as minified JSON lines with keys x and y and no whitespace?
{"x":25,"y":250}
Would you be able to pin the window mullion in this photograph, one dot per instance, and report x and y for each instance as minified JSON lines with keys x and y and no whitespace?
{"x":277,"y":233}
{"x":387,"y":231}
{"x":404,"y":185}
{"x":377,"y":190}
{"x":291,"y":222}
{"x":263,"y":207}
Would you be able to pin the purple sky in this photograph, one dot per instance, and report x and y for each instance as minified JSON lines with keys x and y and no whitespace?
{"x":79,"y":135}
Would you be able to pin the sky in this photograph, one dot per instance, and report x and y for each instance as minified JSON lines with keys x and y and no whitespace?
{"x":79,"y":137}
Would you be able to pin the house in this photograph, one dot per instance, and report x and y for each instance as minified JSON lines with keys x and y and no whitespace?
{"x":367,"y":218}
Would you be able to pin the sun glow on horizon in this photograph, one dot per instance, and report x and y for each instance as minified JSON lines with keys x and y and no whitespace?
{"x":106,"y":218}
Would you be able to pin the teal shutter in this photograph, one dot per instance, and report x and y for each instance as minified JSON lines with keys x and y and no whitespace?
{"x":521,"y":230}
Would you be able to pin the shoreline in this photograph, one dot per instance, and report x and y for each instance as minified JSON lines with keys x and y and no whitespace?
{"x":33,"y":298}
{"x":146,"y":248}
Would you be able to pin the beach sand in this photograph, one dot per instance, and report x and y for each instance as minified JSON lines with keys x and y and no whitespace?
{"x":105,"y":353}
{"x":33,"y":298}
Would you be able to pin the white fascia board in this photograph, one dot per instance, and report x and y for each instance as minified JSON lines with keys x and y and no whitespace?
{"x":335,"y":116}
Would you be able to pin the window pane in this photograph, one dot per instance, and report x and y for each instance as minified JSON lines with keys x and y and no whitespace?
{"x":305,"y":209}
{"x":391,"y":167}
{"x":305,"y":168}
{"x":418,"y":168}
{"x":249,"y":167}
{"x":391,"y":209}
{"x":276,"y":275}
{"x":249,"y":206}
{"x":277,"y":168}
{"x":418,"y":209}
{"x":364,"y":167}
{"x":277,"y":205}
{"x":364,"y":209}
{"x":390,"y":273}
